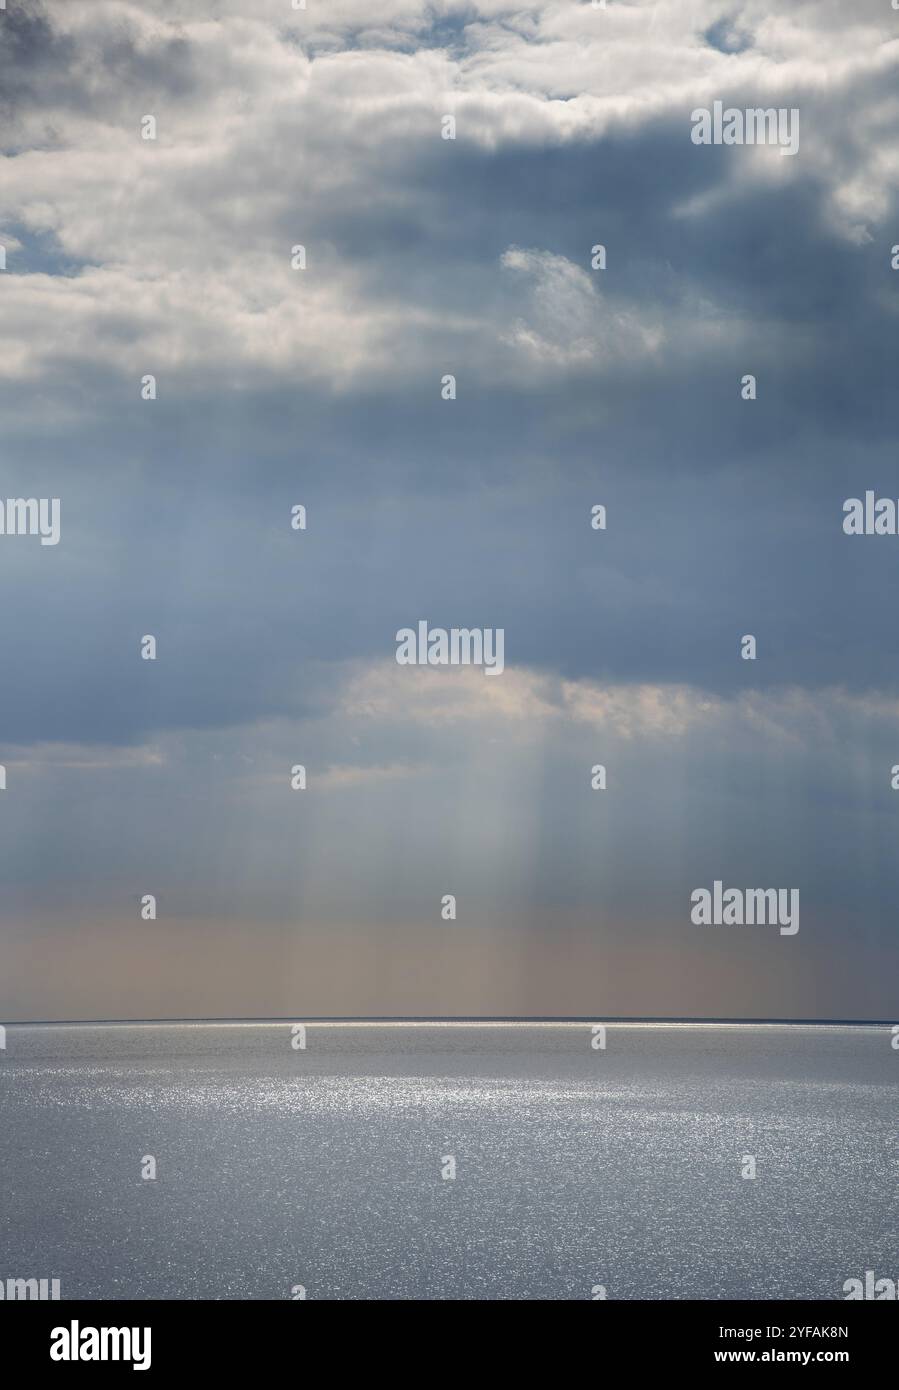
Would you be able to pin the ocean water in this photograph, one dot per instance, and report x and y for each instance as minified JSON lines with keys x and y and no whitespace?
{"x":323,"y":1167}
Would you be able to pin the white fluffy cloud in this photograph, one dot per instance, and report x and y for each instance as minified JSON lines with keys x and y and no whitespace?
{"x":177,"y":250}
{"x":566,"y":323}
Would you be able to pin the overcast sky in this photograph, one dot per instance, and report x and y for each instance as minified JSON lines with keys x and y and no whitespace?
{"x":322,"y":387}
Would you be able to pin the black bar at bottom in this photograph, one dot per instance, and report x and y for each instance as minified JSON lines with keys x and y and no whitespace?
{"x":680,"y":1337}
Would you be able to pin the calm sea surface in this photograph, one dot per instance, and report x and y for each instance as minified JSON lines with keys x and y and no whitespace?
{"x":574,"y":1167}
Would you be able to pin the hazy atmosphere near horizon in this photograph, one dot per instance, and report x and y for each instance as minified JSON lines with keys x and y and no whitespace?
{"x":450,"y":277}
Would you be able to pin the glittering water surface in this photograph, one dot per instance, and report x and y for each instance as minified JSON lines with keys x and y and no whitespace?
{"x":575,"y":1167}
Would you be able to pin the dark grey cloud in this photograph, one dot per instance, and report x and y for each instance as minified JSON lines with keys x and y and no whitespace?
{"x":34,"y":57}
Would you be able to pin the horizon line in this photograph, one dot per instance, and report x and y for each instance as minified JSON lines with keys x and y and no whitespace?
{"x":471,"y":1019}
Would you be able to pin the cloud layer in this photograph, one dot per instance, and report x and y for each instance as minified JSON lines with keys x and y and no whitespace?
{"x":425,"y":257}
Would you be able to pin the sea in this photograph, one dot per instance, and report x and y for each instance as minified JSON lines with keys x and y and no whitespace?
{"x":448,"y":1160}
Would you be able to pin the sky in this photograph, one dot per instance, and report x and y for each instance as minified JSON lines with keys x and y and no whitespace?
{"x":576,"y":386}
